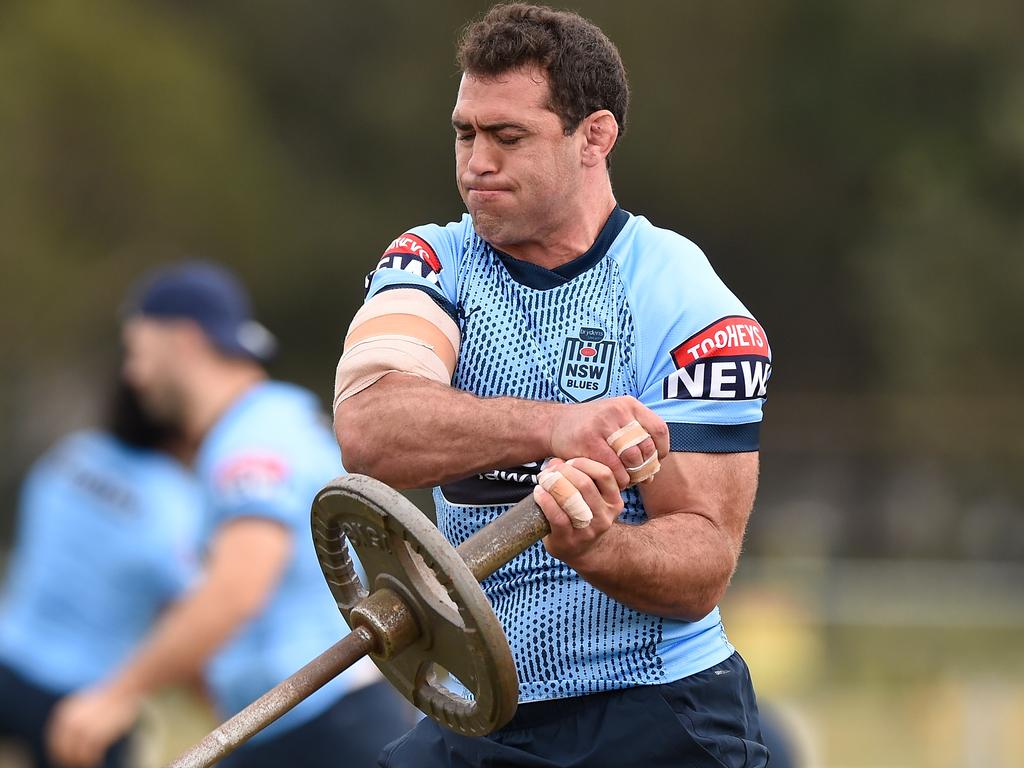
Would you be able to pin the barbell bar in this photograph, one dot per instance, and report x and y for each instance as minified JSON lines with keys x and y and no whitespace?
{"x":424,"y":609}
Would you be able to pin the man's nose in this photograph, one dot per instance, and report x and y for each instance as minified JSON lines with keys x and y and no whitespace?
{"x":483,"y":157}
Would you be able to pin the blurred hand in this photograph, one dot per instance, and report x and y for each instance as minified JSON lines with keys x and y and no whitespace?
{"x":600,"y":491}
{"x":85,"y":724}
{"x":583,"y":430}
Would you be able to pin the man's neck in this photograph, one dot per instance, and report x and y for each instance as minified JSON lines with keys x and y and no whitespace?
{"x":213,"y":391}
{"x":571,"y":239}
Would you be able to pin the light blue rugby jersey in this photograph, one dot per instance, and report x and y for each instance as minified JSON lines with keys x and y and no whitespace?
{"x":641,"y":313}
{"x":267,"y":457}
{"x":107,"y":536}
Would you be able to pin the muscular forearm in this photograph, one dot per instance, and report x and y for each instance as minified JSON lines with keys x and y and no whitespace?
{"x":676,"y":566}
{"x":411,"y":432}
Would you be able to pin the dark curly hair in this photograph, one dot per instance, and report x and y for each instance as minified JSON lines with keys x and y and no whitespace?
{"x":583,"y":66}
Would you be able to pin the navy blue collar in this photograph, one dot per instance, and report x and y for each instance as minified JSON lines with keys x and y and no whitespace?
{"x":542,"y":279}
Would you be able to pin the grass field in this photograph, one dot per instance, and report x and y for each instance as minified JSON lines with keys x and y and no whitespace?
{"x":868,"y":664}
{"x":888,"y":664}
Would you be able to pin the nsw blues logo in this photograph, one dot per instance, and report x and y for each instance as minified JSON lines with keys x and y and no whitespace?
{"x":586,"y":369}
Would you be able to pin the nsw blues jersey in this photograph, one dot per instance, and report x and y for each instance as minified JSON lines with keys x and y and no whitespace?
{"x":266,"y":458}
{"x":107,"y":537}
{"x":641,"y":313}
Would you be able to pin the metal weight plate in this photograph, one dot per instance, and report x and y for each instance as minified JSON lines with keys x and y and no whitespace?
{"x":402,"y":551}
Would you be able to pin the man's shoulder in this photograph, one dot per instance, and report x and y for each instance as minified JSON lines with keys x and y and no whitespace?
{"x":67,"y":455}
{"x":646,"y":246}
{"x":661,"y":269}
{"x":85,"y":441}
{"x":281,"y":396}
{"x":428,"y":257}
{"x":270,"y":414}
{"x":103,"y":451}
{"x":670,"y":281}
{"x":432,"y":242}
{"x":274,"y":437}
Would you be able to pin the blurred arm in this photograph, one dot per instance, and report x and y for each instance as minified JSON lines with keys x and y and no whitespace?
{"x":247,"y":558}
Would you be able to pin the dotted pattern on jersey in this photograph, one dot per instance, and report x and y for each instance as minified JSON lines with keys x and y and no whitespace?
{"x":567,"y":638}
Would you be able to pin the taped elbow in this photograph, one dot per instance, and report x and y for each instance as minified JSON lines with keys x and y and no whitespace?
{"x":401,"y":331}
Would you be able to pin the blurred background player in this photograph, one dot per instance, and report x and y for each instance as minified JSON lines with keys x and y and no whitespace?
{"x":107,"y":533}
{"x":262,"y":450}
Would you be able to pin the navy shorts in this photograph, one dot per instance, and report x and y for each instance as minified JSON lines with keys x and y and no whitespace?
{"x":705,"y":720}
{"x":24,"y":710}
{"x":349,"y":733}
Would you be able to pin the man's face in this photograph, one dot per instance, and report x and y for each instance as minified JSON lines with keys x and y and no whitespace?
{"x":153,"y":366}
{"x":517,"y":171}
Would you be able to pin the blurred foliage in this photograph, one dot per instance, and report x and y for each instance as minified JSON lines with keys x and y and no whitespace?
{"x":854,"y":170}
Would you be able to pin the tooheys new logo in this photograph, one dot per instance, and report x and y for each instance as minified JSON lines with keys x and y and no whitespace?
{"x":728,"y":360}
{"x":412,"y":254}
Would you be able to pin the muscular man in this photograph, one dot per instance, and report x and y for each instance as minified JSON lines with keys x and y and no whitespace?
{"x":263,"y":450}
{"x":108,"y":526}
{"x":549,"y":322}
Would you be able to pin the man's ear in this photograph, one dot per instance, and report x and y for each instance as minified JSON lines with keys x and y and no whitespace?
{"x":600,"y":131}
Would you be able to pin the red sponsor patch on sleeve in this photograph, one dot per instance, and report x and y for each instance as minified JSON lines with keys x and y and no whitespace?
{"x":733,"y":336}
{"x":411,"y":245}
{"x":250,"y":475}
{"x":728,"y":360}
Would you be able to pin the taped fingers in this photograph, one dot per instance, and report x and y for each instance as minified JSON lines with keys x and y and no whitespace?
{"x":601,"y":477}
{"x":628,"y":443}
{"x":567,"y":496}
{"x":636,"y":455}
{"x":645,"y":470}
{"x":627,"y":436}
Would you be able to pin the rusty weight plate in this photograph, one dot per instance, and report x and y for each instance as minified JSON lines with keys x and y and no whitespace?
{"x":420,"y":598}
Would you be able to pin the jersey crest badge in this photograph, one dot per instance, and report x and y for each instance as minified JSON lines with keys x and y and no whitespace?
{"x":585,"y":371}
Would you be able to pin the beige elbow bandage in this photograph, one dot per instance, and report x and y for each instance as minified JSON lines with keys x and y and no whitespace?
{"x":568,"y":497}
{"x":631,"y":435}
{"x":402,"y":331}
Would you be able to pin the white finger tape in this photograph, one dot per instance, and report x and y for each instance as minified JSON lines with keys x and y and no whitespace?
{"x":626,"y":437}
{"x":568,"y":497}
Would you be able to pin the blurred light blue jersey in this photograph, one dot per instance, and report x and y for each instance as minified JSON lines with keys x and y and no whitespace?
{"x":266,"y":458}
{"x":641,"y":313}
{"x":107,"y":536}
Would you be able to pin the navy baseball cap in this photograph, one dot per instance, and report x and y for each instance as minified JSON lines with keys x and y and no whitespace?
{"x":213,"y":298}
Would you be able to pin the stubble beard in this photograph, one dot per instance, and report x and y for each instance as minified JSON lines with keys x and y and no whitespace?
{"x":510,"y":228}
{"x":492,"y":227}
{"x":165,"y":406}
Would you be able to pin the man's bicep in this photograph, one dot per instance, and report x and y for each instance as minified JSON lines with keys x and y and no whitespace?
{"x":403,"y":331}
{"x":717,"y":486}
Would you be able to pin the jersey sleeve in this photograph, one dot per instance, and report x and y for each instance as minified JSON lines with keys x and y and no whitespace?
{"x":424,"y":258}
{"x":257,"y":482}
{"x":704,"y":361}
